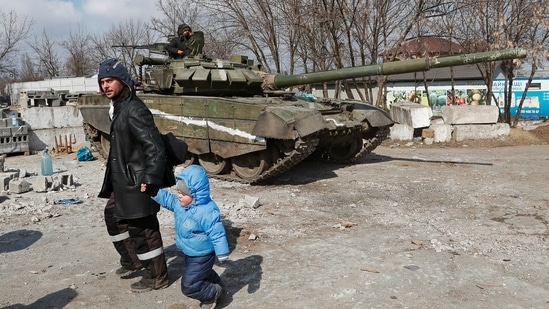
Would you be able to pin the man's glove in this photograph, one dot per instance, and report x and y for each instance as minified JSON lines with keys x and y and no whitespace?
{"x":151,"y":189}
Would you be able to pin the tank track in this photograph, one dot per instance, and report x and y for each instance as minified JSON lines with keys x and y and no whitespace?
{"x":94,"y":137}
{"x":371,"y":144}
{"x":304,"y":148}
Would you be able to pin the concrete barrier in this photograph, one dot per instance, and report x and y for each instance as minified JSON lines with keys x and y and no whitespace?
{"x":48,"y":123}
{"x":479,"y":131}
{"x":412,"y":114}
{"x":470,"y":114}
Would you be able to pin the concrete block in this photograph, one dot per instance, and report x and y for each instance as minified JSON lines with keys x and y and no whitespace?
{"x":249,"y":201}
{"x":402,"y":132}
{"x":19,"y":186}
{"x":428,"y":133}
{"x":5,"y":132}
{"x":55,"y":103}
{"x":442,"y":133}
{"x":56,"y":183}
{"x":470,"y":114}
{"x":5,"y":179}
{"x":21,"y":130}
{"x":412,"y":114}
{"x":14,"y":144}
{"x":487,"y":131}
{"x":40,"y":183}
{"x":22,"y":173}
{"x":5,"y":112}
{"x":437,"y":121}
{"x":67,"y":180}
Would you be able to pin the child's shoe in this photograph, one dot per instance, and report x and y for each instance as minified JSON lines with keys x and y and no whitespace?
{"x":218,"y":294}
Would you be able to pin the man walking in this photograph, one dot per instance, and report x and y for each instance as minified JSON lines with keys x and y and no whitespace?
{"x":136,"y":156}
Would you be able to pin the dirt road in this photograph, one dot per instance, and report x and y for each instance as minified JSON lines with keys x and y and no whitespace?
{"x":409,"y":227}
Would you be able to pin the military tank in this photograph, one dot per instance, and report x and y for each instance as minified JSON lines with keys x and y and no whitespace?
{"x":240,"y":123}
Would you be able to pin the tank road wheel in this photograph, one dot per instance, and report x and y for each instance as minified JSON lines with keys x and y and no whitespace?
{"x":344,"y":152}
{"x":251,"y":165}
{"x":213,"y":164}
{"x":191,"y":159}
{"x":105,"y":145}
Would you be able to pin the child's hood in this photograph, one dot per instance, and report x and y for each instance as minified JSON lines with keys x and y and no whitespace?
{"x":197,"y":181}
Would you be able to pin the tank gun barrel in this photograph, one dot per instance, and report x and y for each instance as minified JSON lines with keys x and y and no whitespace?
{"x":391,"y":68}
{"x":155,"y":48}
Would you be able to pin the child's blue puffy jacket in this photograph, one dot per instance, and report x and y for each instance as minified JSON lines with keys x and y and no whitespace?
{"x":198,"y":226}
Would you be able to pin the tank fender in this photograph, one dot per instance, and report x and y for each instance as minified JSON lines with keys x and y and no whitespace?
{"x":376,"y":117}
{"x":284,"y":122}
{"x":97,"y":117}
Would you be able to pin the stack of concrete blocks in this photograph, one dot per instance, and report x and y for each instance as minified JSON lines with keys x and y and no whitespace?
{"x":463,"y":122}
{"x":17,"y":182}
{"x":474,"y":122}
{"x":13,"y":137}
{"x":50,"y":98}
{"x":409,"y":117}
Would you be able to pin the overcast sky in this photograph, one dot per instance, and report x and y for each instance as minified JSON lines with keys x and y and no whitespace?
{"x":96,"y":16}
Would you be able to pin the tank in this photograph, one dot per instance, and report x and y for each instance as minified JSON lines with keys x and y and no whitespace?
{"x":242,"y":125}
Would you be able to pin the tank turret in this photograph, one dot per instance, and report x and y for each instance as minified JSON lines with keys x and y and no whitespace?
{"x":241,"y":124}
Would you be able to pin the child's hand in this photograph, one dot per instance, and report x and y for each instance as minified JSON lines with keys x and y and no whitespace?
{"x":222,"y":259}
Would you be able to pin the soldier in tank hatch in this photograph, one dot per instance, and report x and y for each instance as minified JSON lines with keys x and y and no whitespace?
{"x":186,"y":44}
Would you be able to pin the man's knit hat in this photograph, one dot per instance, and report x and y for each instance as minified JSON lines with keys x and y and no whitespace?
{"x":181,"y":186}
{"x":183,"y":27}
{"x":114,"y":68}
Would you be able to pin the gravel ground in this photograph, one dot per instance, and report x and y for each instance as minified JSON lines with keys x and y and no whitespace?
{"x":412,"y":226}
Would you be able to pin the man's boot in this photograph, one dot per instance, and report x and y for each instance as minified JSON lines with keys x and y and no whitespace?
{"x":156,"y":275}
{"x":143,"y":285}
{"x":127,"y":270}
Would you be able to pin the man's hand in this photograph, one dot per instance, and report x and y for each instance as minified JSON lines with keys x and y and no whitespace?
{"x":150,"y":189}
{"x":179,"y":52}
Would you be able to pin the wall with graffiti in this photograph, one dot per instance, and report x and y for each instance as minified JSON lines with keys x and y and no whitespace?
{"x":536,"y":104}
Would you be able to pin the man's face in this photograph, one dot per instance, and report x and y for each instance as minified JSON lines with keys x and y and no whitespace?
{"x":186,"y":33}
{"x":112,"y":87}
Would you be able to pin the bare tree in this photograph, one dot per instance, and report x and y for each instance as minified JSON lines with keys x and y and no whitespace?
{"x":28,"y":70}
{"x":418,"y":14}
{"x":254,"y":26}
{"x":498,"y":24}
{"x":131,"y":37}
{"x":174,"y":12}
{"x":78,"y":46}
{"x":49,"y":62}
{"x":12,"y":31}
{"x":536,"y":37}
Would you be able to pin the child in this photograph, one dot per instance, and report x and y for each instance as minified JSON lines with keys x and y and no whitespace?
{"x":199,"y":234}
